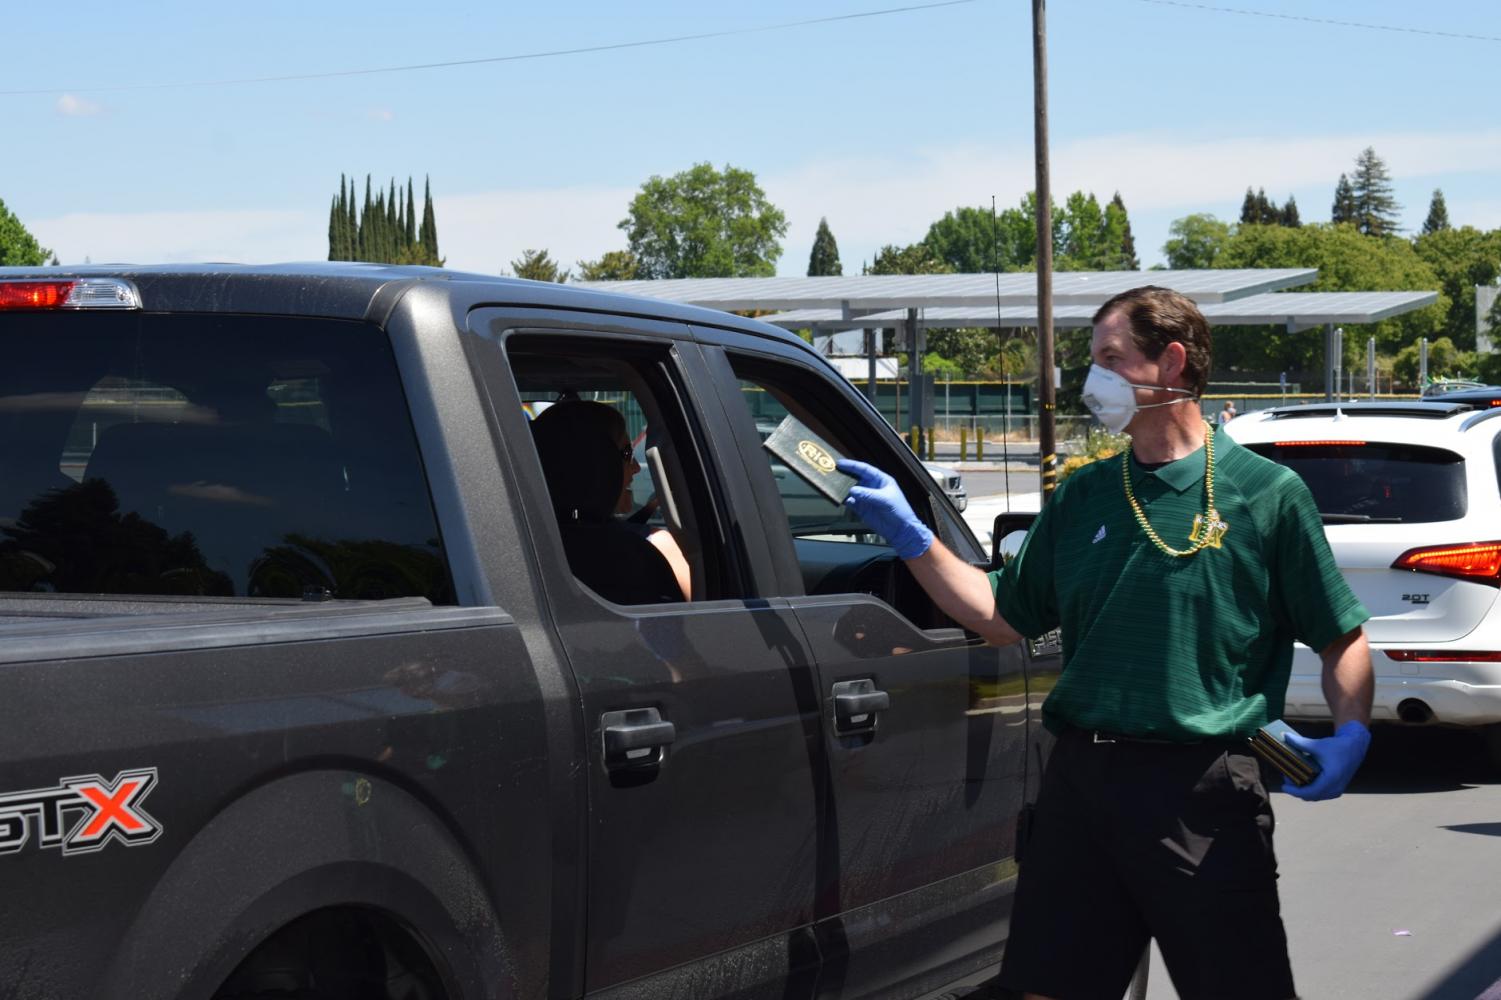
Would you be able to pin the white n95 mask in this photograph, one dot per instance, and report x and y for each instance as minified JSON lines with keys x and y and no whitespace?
{"x":1112,"y":399}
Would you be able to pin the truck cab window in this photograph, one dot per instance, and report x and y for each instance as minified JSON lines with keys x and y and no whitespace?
{"x":619,"y":460}
{"x":218,"y":456}
{"x":836,"y":551}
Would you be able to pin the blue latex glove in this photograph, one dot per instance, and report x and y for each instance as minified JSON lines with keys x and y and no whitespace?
{"x":878,"y":501}
{"x":1339,"y":756}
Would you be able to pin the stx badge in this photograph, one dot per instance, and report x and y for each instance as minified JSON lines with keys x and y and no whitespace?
{"x":80,"y":815}
{"x":1214,"y":530}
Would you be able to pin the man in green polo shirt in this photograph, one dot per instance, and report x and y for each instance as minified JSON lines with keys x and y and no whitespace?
{"x":1180,"y":574}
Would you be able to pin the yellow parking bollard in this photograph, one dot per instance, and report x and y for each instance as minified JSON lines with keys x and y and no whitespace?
{"x":912,"y":433}
{"x":964,"y":444}
{"x":979,"y":445}
{"x":932,"y":449}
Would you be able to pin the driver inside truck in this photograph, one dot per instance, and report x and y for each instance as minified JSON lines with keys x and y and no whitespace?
{"x":589,"y":464}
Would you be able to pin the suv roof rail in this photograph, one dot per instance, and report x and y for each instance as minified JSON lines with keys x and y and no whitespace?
{"x":1480,"y":417}
{"x":1432,"y":409}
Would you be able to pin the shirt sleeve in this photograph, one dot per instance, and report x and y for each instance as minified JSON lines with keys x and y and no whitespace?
{"x":1024,"y":591}
{"x":1314,"y":595}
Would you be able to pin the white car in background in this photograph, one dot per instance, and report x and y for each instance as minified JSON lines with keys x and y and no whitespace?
{"x":1410,"y":495}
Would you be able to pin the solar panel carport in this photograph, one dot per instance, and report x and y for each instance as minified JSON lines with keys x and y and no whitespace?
{"x":915,"y":303}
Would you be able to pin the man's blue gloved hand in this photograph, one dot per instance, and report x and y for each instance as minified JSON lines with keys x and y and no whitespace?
{"x":1339,"y":756}
{"x":879,"y":503}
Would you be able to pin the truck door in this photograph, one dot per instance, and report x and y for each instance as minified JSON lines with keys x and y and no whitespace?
{"x":705,"y":767}
{"x":925,"y":727}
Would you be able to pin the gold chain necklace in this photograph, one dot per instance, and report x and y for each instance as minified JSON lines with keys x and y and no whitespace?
{"x":1208,"y":529}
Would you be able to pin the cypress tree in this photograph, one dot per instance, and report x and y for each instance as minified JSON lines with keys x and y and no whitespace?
{"x":351,"y":226}
{"x":1344,"y":202}
{"x":1248,"y":209}
{"x":367,"y":225}
{"x":1438,"y":214}
{"x":333,"y":229}
{"x":429,"y":226}
{"x":1129,"y":260}
{"x":1289,"y":215}
{"x":411,"y":230}
{"x":1375,"y":207}
{"x":824,"y":260}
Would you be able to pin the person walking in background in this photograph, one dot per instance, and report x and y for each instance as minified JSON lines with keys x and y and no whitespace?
{"x":1180,"y":575}
{"x":1227,"y":413}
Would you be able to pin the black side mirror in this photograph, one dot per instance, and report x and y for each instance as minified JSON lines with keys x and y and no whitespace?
{"x":1013,"y":524}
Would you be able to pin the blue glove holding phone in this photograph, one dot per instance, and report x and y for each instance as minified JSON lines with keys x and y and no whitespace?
{"x":1339,"y":756}
{"x":878,"y":501}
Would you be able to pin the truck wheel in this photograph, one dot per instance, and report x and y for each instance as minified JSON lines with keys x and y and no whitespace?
{"x":336,"y":954}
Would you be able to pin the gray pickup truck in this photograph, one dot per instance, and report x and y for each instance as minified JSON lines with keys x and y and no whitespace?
{"x":300,"y":696}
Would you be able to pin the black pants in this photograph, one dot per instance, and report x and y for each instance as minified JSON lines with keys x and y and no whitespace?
{"x":1133,"y":841}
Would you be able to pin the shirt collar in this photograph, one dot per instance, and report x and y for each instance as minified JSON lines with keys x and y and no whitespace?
{"x":1181,"y":474}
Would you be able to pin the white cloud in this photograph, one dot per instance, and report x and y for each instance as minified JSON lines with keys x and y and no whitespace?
{"x":381,"y":115}
{"x":251,"y":237}
{"x":76,"y":107}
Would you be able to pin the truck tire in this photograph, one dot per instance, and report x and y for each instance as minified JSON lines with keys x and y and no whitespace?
{"x":336,"y":954}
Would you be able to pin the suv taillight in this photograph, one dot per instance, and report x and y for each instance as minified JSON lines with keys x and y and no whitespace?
{"x":1478,"y":561}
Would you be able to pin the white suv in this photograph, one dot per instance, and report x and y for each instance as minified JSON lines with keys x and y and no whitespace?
{"x":1410,"y":495}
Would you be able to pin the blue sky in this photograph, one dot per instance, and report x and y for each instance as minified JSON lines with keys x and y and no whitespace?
{"x":880,"y":123}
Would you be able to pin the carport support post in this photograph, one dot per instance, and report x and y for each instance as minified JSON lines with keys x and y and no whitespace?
{"x":915,"y":403}
{"x":870,"y":356}
{"x":1370,"y":366}
{"x":1331,"y":369}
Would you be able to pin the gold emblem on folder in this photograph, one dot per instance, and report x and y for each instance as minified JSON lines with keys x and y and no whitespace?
{"x":816,"y":456}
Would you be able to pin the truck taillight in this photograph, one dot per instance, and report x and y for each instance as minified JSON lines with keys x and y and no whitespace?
{"x":1444,"y":655}
{"x":68,"y":293}
{"x":1478,"y":561}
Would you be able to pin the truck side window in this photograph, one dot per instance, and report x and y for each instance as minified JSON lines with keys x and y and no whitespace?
{"x":620,"y":462}
{"x":220,"y":456}
{"x":836,"y":551}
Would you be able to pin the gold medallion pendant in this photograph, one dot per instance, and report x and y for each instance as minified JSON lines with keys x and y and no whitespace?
{"x":1212,"y":530}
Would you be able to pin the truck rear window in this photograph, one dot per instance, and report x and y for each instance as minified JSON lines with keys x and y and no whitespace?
{"x":218,"y":456}
{"x":1374,"y":482}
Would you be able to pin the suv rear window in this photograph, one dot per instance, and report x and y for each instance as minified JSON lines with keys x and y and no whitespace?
{"x":217,"y":456}
{"x":1395,"y":483}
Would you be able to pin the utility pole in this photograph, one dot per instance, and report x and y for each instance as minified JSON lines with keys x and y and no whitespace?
{"x":1046,"y":394}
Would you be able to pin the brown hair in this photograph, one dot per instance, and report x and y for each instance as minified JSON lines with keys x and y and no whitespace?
{"x":1160,"y":316}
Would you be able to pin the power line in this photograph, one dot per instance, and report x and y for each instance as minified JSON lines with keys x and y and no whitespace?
{"x":519,"y":57}
{"x":1325,"y":20}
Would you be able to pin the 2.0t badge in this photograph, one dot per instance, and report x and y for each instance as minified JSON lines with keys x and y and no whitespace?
{"x":80,"y":815}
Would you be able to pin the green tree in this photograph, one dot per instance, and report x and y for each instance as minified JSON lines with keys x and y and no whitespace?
{"x":918,"y":258}
{"x":1343,"y":209}
{"x":18,"y":248}
{"x":1347,"y":262}
{"x":1289,"y":215}
{"x":704,"y":223}
{"x":1375,"y":207}
{"x":1116,"y":215}
{"x":616,"y":265}
{"x":536,"y":265}
{"x":1444,"y":361}
{"x":972,"y":241}
{"x":427,"y":236}
{"x":1438,"y":214}
{"x":1461,"y":258}
{"x":1195,"y":241}
{"x":824,"y":258}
